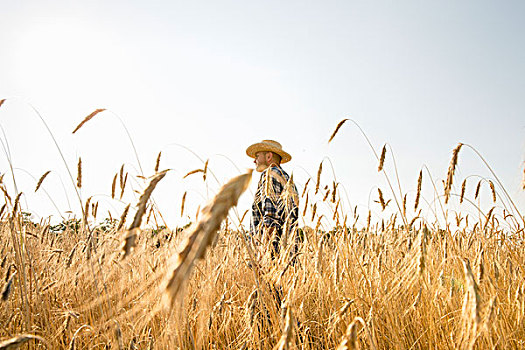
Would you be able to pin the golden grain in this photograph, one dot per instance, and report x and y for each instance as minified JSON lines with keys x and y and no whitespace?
{"x":86,"y":119}
{"x":337,"y":129}
{"x":382,"y":158}
{"x":193,"y":172}
{"x":477,"y":189}
{"x":319,"y":171}
{"x":451,"y":171}
{"x":305,"y":205}
{"x":463,"y":189}
{"x":134,"y":228}
{"x":157,"y":163}
{"x":41,"y":180}
{"x":79,"y":173}
{"x":493,"y":189}
{"x":205,"y":170}
{"x":17,"y":341}
{"x":305,"y":187}
{"x":122,"y":220}
{"x":113,"y":186}
{"x":203,"y":234}
{"x":381,"y":199}
{"x":314,"y":210}
{"x":182,"y":204}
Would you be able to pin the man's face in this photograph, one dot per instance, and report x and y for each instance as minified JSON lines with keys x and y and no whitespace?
{"x":261,"y":161}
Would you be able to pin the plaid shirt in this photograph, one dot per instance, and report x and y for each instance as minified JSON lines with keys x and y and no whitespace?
{"x":274,"y":203}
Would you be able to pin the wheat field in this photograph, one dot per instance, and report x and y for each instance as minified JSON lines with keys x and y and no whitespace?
{"x":403,"y":283}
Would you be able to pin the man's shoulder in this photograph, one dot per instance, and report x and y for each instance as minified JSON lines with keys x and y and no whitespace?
{"x":278,"y":170}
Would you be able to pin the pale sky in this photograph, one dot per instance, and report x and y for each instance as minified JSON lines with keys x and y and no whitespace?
{"x":216,"y":76}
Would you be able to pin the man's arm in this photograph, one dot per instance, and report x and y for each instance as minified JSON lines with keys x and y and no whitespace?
{"x":272,"y":204}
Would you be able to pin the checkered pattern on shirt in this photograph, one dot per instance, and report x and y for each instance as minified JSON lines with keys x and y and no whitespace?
{"x":268,"y":209}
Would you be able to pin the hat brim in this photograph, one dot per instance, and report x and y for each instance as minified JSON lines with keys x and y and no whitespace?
{"x":263,"y":147}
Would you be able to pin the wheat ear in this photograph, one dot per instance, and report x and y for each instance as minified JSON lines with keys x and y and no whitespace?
{"x":382,"y":159}
{"x":39,"y":183}
{"x":123,"y":217}
{"x":205,"y":170}
{"x":132,"y":232}
{"x":79,"y":173}
{"x":182,"y":204}
{"x":203,"y":234}
{"x":418,"y":193}
{"x":463,"y":189}
{"x":286,"y":337}
{"x":451,"y":171}
{"x":86,"y":119}
{"x":15,"y":342}
{"x":157,"y":163}
{"x":493,"y":189}
{"x":337,"y":129}
{"x":193,"y":172}
{"x":381,"y":199}
{"x":471,"y":308}
{"x":305,"y":187}
{"x":318,"y":177}
{"x":349,"y":340}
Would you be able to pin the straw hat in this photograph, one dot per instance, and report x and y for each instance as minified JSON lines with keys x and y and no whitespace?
{"x":268,"y":146}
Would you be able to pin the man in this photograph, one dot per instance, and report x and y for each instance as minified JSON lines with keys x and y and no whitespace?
{"x":275,"y":206}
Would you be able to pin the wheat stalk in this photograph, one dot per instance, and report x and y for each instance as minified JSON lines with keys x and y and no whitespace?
{"x":193,"y":172}
{"x":381,"y":199}
{"x":79,"y":173}
{"x":121,"y":176}
{"x":314,"y":210}
{"x":463,"y":189}
{"x":305,"y":205}
{"x":471,"y":309}
{"x":123,"y":185}
{"x":451,"y":170}
{"x":182,"y":205}
{"x":134,"y":228}
{"x":405,"y":205}
{"x":86,"y":119}
{"x":113,"y":186}
{"x":305,"y":187}
{"x":326,"y":195}
{"x":203,"y":234}
{"x":286,"y":337}
{"x":418,"y":193}
{"x":319,"y":171}
{"x":337,"y":129}
{"x":39,"y":183}
{"x":349,"y":340}
{"x":205,"y":170}
{"x":476,"y":194}
{"x":17,"y":341}
{"x":157,"y":163}
{"x":70,"y":256}
{"x":122,"y":220}
{"x":15,"y":205}
{"x":493,"y":189}
{"x":382,"y":159}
